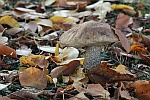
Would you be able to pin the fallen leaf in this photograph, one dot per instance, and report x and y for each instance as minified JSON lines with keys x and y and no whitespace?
{"x":3,"y":40}
{"x":57,"y":49}
{"x":60,"y":19}
{"x":138,"y":83}
{"x":121,"y":92}
{"x":124,"y":41}
{"x":137,"y":48}
{"x":97,"y":90}
{"x":5,"y":98}
{"x":79,"y":96}
{"x":24,"y":50}
{"x":44,"y":22}
{"x":68,"y":53}
{"x":2,"y":86}
{"x":101,"y":8}
{"x":65,"y":70}
{"x":48,"y":49}
{"x":122,"y":69}
{"x":9,"y":20}
{"x":143,"y":92}
{"x":13,"y":31}
{"x":32,"y":26}
{"x":49,"y":2}
{"x":41,"y":61}
{"x":145,"y":40}
{"x":24,"y":94}
{"x":33,"y":77}
{"x":102,"y":74}
{"x":62,"y":63}
{"x":144,"y":57}
{"x":27,"y":60}
{"x":123,"y":21}
{"x":121,"y":6}
{"x":8,"y":51}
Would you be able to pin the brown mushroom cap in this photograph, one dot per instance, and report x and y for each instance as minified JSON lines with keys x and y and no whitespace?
{"x":88,"y":34}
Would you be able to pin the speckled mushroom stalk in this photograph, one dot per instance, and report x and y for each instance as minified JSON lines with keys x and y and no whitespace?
{"x":92,"y":57}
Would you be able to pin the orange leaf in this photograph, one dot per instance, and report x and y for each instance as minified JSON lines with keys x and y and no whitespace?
{"x":137,"y":48}
{"x":143,"y":92}
{"x":33,"y":77}
{"x":6,"y":50}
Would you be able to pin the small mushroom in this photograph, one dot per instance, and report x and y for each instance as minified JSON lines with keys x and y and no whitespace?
{"x":90,"y":35}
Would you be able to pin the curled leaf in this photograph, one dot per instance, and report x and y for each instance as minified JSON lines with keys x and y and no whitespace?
{"x":8,"y":51}
{"x":121,"y":6}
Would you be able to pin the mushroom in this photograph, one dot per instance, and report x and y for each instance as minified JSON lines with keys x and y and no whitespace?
{"x":90,"y":35}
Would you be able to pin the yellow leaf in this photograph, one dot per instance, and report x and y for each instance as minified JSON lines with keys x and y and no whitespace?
{"x":57,"y":49}
{"x":49,"y":79}
{"x":121,"y":6}
{"x":59,"y":19}
{"x":121,"y":68}
{"x":22,"y":69}
{"x":46,"y":71}
{"x":9,"y":20}
{"x":27,"y":60}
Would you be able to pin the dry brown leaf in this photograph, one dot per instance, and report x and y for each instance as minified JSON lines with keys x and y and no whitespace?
{"x":93,"y":89}
{"x":78,"y":75}
{"x":121,"y":92}
{"x":124,"y":41}
{"x":8,"y":51}
{"x":33,"y":77}
{"x":65,"y":70}
{"x":123,"y":21}
{"x":25,"y":94}
{"x":97,"y":90}
{"x":40,"y":60}
{"x":145,"y":40}
{"x":71,"y":67}
{"x":138,"y":83}
{"x":144,"y":57}
{"x":143,"y":92}
{"x":102,"y":74}
{"x":13,"y":31}
{"x":79,"y":96}
{"x":77,"y":4}
{"x":32,"y":26}
{"x":5,"y":98}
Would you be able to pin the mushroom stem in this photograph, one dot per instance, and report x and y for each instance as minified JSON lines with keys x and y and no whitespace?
{"x":92,"y":57}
